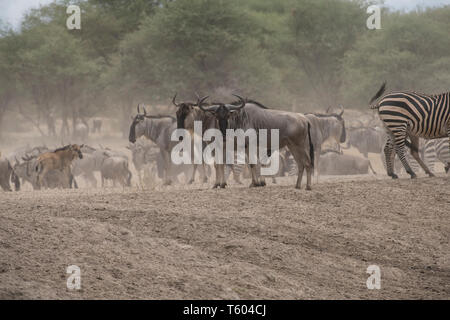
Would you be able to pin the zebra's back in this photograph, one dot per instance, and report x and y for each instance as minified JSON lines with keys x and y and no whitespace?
{"x":424,"y":115}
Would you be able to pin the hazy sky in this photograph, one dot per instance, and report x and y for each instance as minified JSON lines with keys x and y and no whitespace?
{"x":11,"y":11}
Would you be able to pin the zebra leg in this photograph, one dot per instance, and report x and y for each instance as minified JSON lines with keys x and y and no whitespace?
{"x":415,"y":154}
{"x":390,"y":156}
{"x":447,"y":167}
{"x":399,"y":145}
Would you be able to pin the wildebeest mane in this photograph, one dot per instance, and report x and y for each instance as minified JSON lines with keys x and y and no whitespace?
{"x":161,"y":116}
{"x":259,"y":104}
{"x":62,"y":148}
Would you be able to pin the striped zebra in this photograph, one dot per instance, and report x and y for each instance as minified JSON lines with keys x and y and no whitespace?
{"x":437,"y":150}
{"x":413,"y":115}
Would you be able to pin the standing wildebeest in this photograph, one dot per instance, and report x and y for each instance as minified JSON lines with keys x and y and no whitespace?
{"x":116,"y":169}
{"x":159,"y":130}
{"x":81,"y":131}
{"x":294,"y":132}
{"x":61,"y":159}
{"x":334,"y":163}
{"x":97,"y":125}
{"x":413,"y":115}
{"x":7,"y":174}
{"x":323,"y":127}
{"x":187,"y":113}
{"x":366,"y":140}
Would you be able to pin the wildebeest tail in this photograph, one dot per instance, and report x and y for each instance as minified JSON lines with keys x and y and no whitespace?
{"x":311,"y":147}
{"x":377,"y":95}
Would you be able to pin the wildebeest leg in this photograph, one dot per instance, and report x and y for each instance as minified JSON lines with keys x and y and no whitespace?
{"x":41,"y":178}
{"x":317,"y":150}
{"x":167,"y":168}
{"x":236,"y":177}
{"x":194,"y":169}
{"x":371,"y":168}
{"x":390,"y":157}
{"x":103,"y":180}
{"x":255,"y":182}
{"x":302,"y":159}
{"x":262,"y":180}
{"x":203,"y":173}
{"x":217,"y":170}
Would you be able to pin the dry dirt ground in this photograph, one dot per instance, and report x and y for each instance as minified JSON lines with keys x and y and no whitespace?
{"x":239,"y":243}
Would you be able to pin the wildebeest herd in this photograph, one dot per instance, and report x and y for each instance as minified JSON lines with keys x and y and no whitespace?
{"x":307,"y":142}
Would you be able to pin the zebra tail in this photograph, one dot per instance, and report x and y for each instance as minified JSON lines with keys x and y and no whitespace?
{"x":311,"y":147}
{"x":377,"y":95}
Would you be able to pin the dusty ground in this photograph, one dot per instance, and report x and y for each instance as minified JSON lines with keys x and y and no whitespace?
{"x":239,"y":243}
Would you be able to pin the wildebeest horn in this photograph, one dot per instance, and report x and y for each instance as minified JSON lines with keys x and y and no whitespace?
{"x":242,"y":103}
{"x":138,"y":109}
{"x":201,"y":100}
{"x":209,"y":109}
{"x":328,"y":109}
{"x":173,"y":100}
{"x":342,"y":110}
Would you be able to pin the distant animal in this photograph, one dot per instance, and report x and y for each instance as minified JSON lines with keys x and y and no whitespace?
{"x":324,"y":127}
{"x":334,"y":163}
{"x":413,"y":115}
{"x":437,"y":150}
{"x":366,"y":140}
{"x":116,"y":169}
{"x":81,"y":131}
{"x":61,"y":159}
{"x":8,"y":175}
{"x":97,"y":125}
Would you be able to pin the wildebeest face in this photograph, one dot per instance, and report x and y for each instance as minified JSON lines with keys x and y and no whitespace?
{"x":183,"y":112}
{"x":222,"y":115}
{"x":76,"y":151}
{"x":136,"y":128}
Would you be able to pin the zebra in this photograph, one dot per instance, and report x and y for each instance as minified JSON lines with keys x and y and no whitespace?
{"x":437,"y":150}
{"x":413,"y":115}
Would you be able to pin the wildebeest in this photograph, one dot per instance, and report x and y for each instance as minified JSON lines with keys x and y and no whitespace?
{"x":145,"y":154}
{"x":294,"y":132}
{"x":159,"y":130}
{"x":25,"y":162}
{"x":7,"y":174}
{"x":366,"y":140}
{"x":187,"y":113}
{"x":60,"y":159}
{"x":97,"y":125}
{"x":81,"y":131}
{"x":324,"y":127}
{"x":116,"y":169}
{"x":335,"y":163}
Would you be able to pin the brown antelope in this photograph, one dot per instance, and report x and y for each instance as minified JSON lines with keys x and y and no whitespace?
{"x":60,"y":159}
